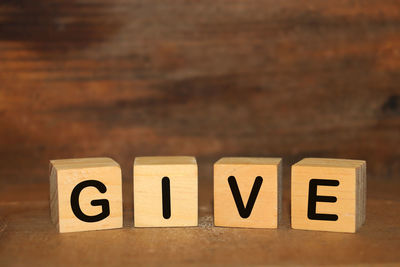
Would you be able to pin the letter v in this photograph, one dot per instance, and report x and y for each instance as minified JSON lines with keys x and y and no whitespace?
{"x":245,"y":212}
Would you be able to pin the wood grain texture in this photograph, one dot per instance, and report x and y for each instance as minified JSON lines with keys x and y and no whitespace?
{"x":350,"y":193}
{"x":124,"y":78}
{"x":267,"y":206}
{"x":25,"y":218}
{"x":127,"y":78}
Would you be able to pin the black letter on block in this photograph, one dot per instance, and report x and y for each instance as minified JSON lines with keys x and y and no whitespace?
{"x":313,"y":198}
{"x":98,"y":202}
{"x":166,"y":198}
{"x":245,"y":211}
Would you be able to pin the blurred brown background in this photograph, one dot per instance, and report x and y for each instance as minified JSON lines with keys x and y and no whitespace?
{"x":121,"y":78}
{"x":204,"y":78}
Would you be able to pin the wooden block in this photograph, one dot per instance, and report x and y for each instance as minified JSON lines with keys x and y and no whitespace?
{"x":165,"y":191}
{"x":328,"y":194}
{"x":247,"y":192}
{"x":85,"y":194}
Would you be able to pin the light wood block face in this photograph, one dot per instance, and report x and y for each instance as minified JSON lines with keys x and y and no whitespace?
{"x":237,"y":181}
{"x":85,"y":194}
{"x":337,"y":206}
{"x":165,"y":192}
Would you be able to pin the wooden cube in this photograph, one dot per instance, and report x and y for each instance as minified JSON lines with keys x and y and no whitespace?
{"x":85,"y":194}
{"x":165,"y":191}
{"x":247,"y":192}
{"x":328,"y":194}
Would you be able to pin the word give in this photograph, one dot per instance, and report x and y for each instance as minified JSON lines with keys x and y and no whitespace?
{"x":327,"y":194}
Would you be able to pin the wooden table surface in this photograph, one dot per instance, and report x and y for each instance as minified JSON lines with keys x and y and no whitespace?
{"x":28,"y":237}
{"x":212,"y":78}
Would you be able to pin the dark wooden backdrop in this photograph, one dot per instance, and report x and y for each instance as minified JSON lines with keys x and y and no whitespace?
{"x":213,"y":78}
{"x":208,"y":78}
